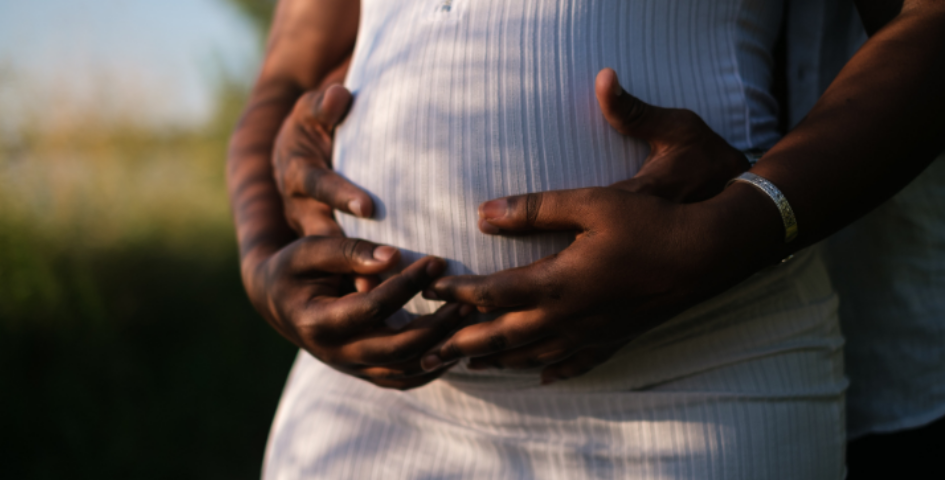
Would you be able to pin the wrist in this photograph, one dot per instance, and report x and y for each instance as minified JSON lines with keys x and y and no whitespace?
{"x":742,"y":230}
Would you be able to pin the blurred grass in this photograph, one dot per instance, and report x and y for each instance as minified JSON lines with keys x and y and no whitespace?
{"x":127,"y":346}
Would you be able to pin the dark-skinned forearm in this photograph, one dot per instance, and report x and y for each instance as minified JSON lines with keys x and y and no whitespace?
{"x":879,"y":124}
{"x":310,"y":43}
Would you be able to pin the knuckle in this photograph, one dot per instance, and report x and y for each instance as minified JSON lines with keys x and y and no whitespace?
{"x":634,"y":113}
{"x":309,"y":103}
{"x":451,"y":350}
{"x":497,"y":342}
{"x":533,"y":203}
{"x":349,"y":249}
{"x":373,"y":308}
{"x":482,"y":295}
{"x":317,"y":183}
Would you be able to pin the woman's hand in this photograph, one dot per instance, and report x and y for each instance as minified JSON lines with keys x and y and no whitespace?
{"x":322,"y":291}
{"x":322,"y":294}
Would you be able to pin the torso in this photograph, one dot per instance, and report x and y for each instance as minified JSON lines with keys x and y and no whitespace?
{"x":495,"y":97}
{"x":458,"y":102}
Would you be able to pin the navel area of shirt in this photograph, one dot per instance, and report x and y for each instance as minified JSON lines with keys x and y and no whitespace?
{"x":461,"y":101}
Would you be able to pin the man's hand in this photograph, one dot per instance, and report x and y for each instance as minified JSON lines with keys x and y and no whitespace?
{"x":302,"y":162}
{"x":625,"y":273}
{"x":637,"y":261}
{"x":688,"y":162}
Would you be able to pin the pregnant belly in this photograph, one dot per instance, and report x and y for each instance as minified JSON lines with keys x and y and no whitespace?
{"x":429,"y":158}
{"x":451,"y":113}
{"x":489,"y":99}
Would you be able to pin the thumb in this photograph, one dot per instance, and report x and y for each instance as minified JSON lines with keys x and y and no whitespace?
{"x":553,"y":210}
{"x":628,"y":114}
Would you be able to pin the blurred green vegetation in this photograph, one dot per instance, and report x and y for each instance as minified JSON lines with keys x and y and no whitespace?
{"x":259,"y":11}
{"x":127,"y":346}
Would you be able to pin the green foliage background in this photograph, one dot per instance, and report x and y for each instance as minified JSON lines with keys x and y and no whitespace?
{"x":127,"y":346}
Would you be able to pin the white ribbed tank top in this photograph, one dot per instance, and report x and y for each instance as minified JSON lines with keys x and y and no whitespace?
{"x":461,"y":101}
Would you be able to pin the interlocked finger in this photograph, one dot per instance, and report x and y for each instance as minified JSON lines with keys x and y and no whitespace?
{"x":506,"y":332}
{"x":359,"y":312}
{"x":385,"y":348}
{"x":505,"y":289}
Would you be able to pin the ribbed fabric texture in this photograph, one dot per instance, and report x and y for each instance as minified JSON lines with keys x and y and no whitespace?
{"x":746,"y":386}
{"x":461,"y":101}
{"x":494,"y":98}
{"x":889,"y":268}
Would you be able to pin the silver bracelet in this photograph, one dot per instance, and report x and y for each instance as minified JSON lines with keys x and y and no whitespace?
{"x":787,"y":213}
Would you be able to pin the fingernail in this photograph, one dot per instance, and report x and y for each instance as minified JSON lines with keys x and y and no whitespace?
{"x":431,"y":362}
{"x":488,"y":228}
{"x":384,"y":253}
{"x":429,"y":294}
{"x":494,"y":209}
{"x":354,"y":206}
{"x":465,"y":310}
{"x":618,"y":90}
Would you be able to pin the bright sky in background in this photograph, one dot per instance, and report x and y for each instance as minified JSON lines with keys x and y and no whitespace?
{"x":161,"y":56}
